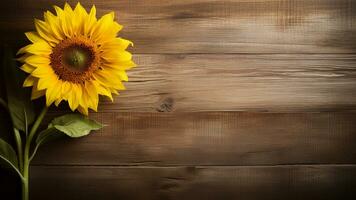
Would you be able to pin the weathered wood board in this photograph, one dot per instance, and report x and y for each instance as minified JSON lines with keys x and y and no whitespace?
{"x":191,"y":183}
{"x":201,"y":82}
{"x":231,"y":99}
{"x":210,"y":138}
{"x":210,"y":26}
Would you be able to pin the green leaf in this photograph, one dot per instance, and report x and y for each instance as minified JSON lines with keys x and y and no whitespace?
{"x":18,"y":98}
{"x":44,"y":137}
{"x":8,"y":156}
{"x":75,"y":125}
{"x":47,"y":135}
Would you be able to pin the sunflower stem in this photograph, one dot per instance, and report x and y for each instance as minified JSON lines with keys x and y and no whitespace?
{"x":26,"y":163}
{"x":19,"y":148}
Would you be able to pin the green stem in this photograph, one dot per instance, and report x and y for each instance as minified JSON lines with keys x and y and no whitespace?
{"x":19,"y":148}
{"x":34,"y":153}
{"x":25,"y":187}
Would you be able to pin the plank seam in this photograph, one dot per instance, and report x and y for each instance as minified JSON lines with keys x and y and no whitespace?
{"x":198,"y":166}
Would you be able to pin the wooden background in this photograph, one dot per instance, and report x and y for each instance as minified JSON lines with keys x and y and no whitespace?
{"x":231,"y":99}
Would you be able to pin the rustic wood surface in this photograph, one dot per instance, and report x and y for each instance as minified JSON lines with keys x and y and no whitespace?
{"x":210,"y":26}
{"x":202,"y":82}
{"x":231,"y":99}
{"x":191,"y":183}
{"x":210,"y":138}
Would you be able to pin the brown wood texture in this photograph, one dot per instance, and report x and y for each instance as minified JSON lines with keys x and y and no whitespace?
{"x":210,"y":138}
{"x":231,"y":99}
{"x":191,"y":183}
{"x":205,"y":82}
{"x":209,"y":26}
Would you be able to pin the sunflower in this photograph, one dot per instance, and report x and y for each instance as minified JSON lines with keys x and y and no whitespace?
{"x":75,"y":57}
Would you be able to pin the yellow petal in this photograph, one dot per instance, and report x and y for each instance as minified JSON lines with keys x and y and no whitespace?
{"x":93,"y":96}
{"x":105,"y":29}
{"x":83,"y":110}
{"x":44,"y":31}
{"x":108,"y":80}
{"x":53,"y":23}
{"x":44,"y":71}
{"x":52,"y":93}
{"x":46,"y":82}
{"x":34,"y":37}
{"x":62,"y":21}
{"x":23,"y":58}
{"x":74,"y":96}
{"x":125,"y":65}
{"x":90,"y":21}
{"x":116,"y":44}
{"x":36,"y":60}
{"x":103,"y":91}
{"x":81,"y":15}
{"x":58,"y":101}
{"x":121,"y":74}
{"x":112,"y":90}
{"x":68,"y":19}
{"x":66,"y":89}
{"x":116,"y":56}
{"x":38,"y":48}
{"x":37,"y":93}
{"x":29,"y":81}
{"x":27,"y":68}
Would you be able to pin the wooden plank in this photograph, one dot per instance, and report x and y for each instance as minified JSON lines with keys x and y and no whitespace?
{"x":279,"y":83}
{"x":210,"y":138}
{"x":191,"y":183}
{"x":209,"y":26}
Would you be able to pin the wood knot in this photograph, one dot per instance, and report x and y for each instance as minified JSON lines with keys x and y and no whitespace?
{"x":166,"y":105}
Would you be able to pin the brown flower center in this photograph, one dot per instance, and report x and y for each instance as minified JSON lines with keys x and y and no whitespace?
{"x":75,"y":59}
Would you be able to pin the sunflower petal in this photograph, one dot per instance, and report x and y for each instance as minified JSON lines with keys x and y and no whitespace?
{"x":29,"y":81}
{"x":81,"y":14}
{"x":74,"y":96}
{"x":44,"y":31}
{"x":116,"y":44}
{"x":44,"y":72}
{"x":125,"y":65}
{"x":33,"y":37}
{"x":27,"y":68}
{"x":116,"y":56}
{"x":108,"y":80}
{"x":38,"y":48}
{"x":83,"y":110}
{"x":103,"y":91}
{"x":52,"y":93}
{"x":90,"y":21}
{"x":37,"y":93}
{"x":53,"y":23}
{"x":46,"y":82}
{"x":93,"y":96}
{"x":36,"y":60}
{"x":67,"y":19}
{"x":105,"y":29}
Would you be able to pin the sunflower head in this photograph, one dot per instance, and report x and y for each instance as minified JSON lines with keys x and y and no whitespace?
{"x":75,"y":57}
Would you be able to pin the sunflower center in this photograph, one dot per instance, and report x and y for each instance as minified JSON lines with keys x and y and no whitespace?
{"x":75,"y":59}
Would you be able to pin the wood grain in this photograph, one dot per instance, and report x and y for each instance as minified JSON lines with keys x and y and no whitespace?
{"x":210,"y":138}
{"x":209,"y":26}
{"x":191,"y":183}
{"x":231,"y":99}
{"x":204,"y":82}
